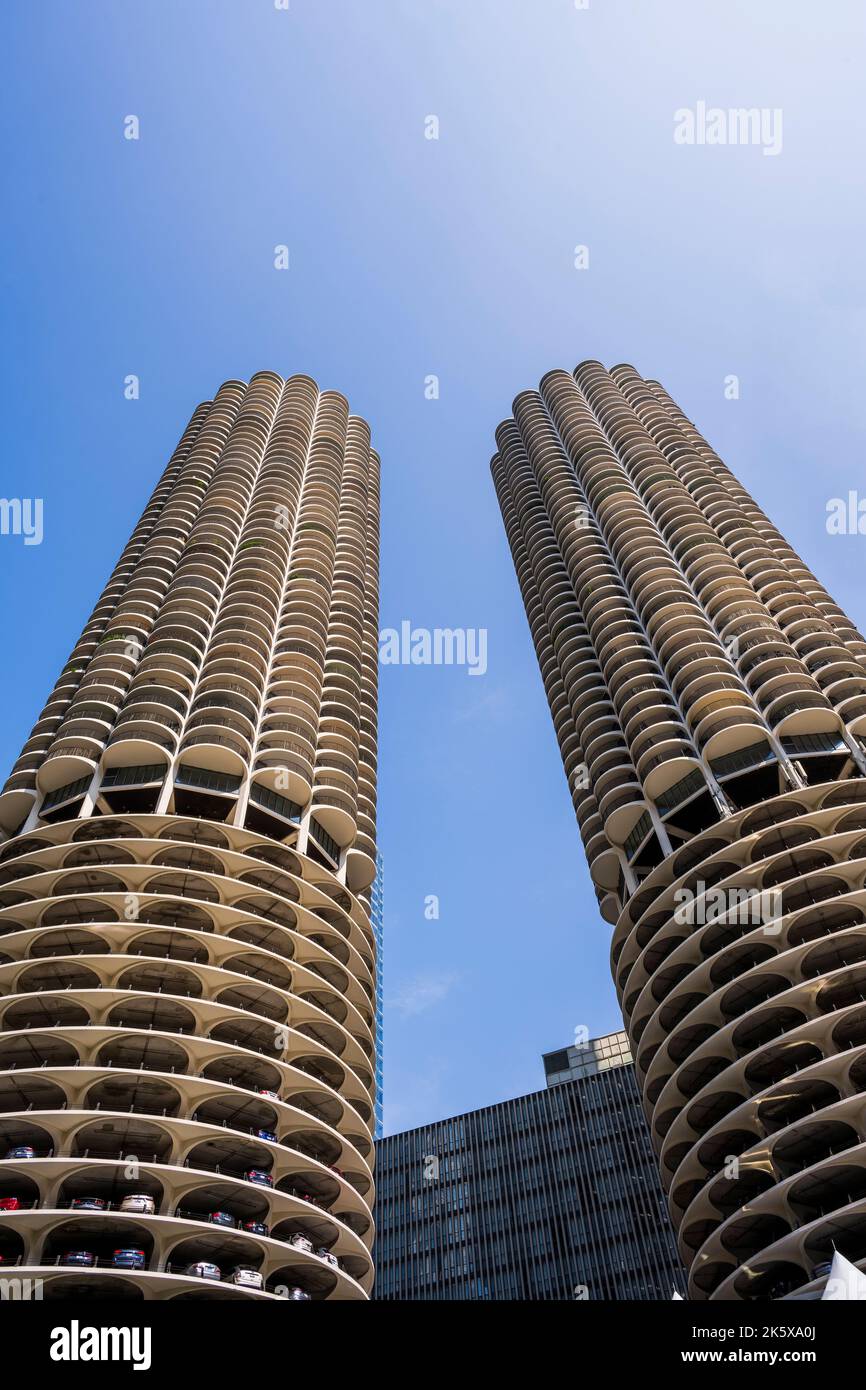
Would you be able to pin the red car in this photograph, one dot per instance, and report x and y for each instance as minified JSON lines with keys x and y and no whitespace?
{"x":10,"y":1204}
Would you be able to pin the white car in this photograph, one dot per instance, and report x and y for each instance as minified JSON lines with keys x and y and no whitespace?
{"x":203,"y":1269}
{"x":300,"y":1242}
{"x":329,"y":1259}
{"x":139,"y":1201}
{"x":247,"y":1278}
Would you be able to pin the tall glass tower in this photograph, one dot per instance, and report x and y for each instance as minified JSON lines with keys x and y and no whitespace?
{"x":187,"y":961}
{"x":709,"y":699}
{"x":550,"y":1196}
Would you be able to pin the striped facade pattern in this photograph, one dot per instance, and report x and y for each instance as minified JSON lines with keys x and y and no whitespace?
{"x":377,"y":917}
{"x":553,"y":1196}
{"x":185,"y":936}
{"x":709,"y":699}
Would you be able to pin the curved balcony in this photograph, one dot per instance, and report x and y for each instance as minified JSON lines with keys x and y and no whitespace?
{"x":194,"y":989}
{"x":173,"y":1024}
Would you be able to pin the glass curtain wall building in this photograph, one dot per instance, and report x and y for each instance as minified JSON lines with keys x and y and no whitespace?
{"x":587,"y":1058}
{"x":187,"y":961}
{"x":552,"y":1196}
{"x":709,"y":699}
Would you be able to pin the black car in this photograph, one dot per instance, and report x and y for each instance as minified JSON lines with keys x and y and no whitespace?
{"x":221,"y":1218}
{"x":255,"y":1228}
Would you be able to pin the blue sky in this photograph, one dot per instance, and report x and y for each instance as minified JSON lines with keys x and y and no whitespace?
{"x":411,"y":257}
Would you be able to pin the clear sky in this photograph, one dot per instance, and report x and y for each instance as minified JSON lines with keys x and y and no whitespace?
{"x":412,"y":257}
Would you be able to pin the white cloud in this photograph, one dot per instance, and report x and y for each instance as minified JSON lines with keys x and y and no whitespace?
{"x":422,"y":993}
{"x":493,"y":707}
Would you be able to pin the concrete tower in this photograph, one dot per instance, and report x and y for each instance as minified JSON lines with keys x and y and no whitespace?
{"x":709,"y":699}
{"x":187,"y":964}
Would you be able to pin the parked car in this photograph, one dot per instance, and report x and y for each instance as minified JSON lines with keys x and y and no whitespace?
{"x":266,"y":1134}
{"x":255,"y":1228}
{"x":301,"y":1242}
{"x":330,"y":1259}
{"x":247,"y":1278}
{"x":268,"y":1095}
{"x":820,"y":1271}
{"x":87,"y":1204}
{"x":83,"y":1259}
{"x":221,"y":1218}
{"x":10,"y":1203}
{"x":21,"y":1151}
{"x":128,"y":1259}
{"x":203,"y":1269}
{"x":298,"y":1295}
{"x":140,"y":1202}
{"x":258,"y":1175}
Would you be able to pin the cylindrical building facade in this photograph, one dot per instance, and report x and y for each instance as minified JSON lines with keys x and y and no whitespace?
{"x":709,"y":700}
{"x":187,"y":964}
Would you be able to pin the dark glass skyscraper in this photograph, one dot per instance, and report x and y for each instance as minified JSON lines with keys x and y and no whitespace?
{"x":552,"y":1196}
